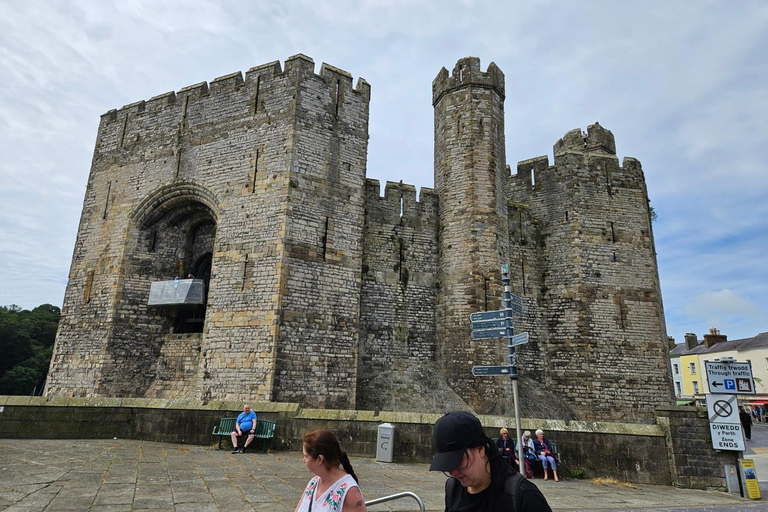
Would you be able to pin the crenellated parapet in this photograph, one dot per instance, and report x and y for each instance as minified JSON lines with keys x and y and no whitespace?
{"x":467,"y":73}
{"x":595,"y":140}
{"x":399,"y":203}
{"x":582,"y":159}
{"x":250,"y":94}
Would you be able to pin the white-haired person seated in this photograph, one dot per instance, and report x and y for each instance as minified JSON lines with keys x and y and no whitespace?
{"x":545,"y":454}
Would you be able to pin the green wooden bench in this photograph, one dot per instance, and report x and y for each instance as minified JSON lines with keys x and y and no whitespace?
{"x":265,"y":430}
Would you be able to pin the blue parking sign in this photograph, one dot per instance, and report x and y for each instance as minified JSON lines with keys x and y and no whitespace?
{"x":730,"y":384}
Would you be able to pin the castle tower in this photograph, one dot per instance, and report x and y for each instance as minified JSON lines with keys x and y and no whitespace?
{"x":581,"y":235}
{"x":470,"y":180}
{"x":254,"y":186}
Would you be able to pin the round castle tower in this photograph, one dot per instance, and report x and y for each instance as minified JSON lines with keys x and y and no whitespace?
{"x":470,"y":179}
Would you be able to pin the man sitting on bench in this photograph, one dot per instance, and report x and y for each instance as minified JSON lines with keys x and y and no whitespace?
{"x":245,"y":427}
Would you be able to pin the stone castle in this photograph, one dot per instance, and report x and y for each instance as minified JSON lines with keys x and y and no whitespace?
{"x":316,"y":290}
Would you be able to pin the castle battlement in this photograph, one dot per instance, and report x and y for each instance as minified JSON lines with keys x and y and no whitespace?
{"x":467,"y":73}
{"x":255,"y":183}
{"x":255,"y":78}
{"x":595,"y":139}
{"x":400,"y":198}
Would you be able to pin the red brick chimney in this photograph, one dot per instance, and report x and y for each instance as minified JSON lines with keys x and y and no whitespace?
{"x":713,"y":337}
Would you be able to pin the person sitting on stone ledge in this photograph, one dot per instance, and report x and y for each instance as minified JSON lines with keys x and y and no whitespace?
{"x":504,"y":443}
{"x":545,"y":454}
{"x":245,"y":427}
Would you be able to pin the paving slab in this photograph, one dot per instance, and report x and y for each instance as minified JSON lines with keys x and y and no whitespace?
{"x":120,"y":475}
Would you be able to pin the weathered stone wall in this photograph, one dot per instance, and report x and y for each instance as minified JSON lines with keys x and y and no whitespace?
{"x":320,"y":275}
{"x":625,"y":451}
{"x":397,"y":310}
{"x":588,"y":261}
{"x":246,"y":170}
{"x":322,"y":293}
{"x":692,"y":460}
{"x":473,"y":241}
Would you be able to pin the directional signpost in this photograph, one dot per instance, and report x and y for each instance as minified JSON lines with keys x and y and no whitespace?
{"x":729,"y":377}
{"x":485,"y":316}
{"x":498,"y":324}
{"x":485,"y":371}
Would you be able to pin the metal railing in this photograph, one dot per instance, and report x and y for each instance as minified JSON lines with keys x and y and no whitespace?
{"x":397,"y":496}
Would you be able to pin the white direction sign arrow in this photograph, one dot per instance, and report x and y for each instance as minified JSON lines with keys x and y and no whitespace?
{"x":729,"y":378}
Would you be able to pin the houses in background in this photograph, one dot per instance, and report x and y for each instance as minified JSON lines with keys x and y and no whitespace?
{"x":688,"y":358}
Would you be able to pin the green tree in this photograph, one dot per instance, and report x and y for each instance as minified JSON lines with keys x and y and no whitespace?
{"x":26,"y":346}
{"x":15,"y":341}
{"x":19,"y":380}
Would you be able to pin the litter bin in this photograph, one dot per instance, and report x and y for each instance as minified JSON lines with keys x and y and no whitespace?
{"x":385,"y":444}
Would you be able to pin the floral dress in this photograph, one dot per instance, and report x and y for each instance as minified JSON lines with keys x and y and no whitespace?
{"x":331,"y":500}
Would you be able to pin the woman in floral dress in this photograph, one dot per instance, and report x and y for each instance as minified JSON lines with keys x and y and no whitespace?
{"x":334,"y":488}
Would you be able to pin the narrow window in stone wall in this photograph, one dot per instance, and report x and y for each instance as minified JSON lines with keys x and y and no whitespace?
{"x":401,"y":266}
{"x":122,"y":131}
{"x":522,"y":273}
{"x":520,"y":225}
{"x":255,"y":172}
{"x":256,"y":99}
{"x":566,"y":216}
{"x":153,"y":241}
{"x":533,"y":179}
{"x":485,"y":293}
{"x":401,"y":206}
{"x":608,"y":181}
{"x":613,"y":234}
{"x":614,"y":257}
{"x":338,"y":98}
{"x":87,"y":288}
{"x":325,"y":238}
{"x":245,"y":273}
{"x":106,"y":201}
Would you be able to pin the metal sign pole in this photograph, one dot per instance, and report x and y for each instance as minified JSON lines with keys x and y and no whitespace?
{"x":513,"y":365}
{"x":499,"y":324}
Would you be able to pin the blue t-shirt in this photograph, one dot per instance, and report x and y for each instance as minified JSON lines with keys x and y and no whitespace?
{"x":246,"y":421}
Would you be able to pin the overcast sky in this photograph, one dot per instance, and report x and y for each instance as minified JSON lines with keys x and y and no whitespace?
{"x":682,"y":85}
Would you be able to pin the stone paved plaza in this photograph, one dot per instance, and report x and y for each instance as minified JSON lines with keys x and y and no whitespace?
{"x":126,"y":475}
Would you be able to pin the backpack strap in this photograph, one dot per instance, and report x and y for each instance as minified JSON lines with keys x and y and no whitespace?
{"x":512,"y":487}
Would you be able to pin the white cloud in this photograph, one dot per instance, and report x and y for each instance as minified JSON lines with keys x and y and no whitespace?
{"x":682,"y":86}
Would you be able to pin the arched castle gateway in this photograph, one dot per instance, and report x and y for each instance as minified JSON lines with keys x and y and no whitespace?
{"x":309,"y":287}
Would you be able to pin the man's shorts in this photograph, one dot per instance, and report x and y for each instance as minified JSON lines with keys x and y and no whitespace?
{"x":245,"y":432}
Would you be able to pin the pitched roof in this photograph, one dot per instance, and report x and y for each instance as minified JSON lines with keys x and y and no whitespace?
{"x":759,"y":341}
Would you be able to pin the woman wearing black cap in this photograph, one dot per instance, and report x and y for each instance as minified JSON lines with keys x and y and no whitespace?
{"x":480,"y":480}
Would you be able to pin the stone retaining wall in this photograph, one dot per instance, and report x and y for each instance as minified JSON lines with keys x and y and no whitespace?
{"x":627,"y":452}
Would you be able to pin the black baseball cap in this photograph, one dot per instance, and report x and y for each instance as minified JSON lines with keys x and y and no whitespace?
{"x":453,"y":434}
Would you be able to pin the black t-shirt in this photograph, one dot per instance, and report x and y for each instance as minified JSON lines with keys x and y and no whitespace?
{"x":457,"y":499}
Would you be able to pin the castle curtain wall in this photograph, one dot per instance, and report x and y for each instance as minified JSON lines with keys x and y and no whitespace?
{"x":322,"y":293}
